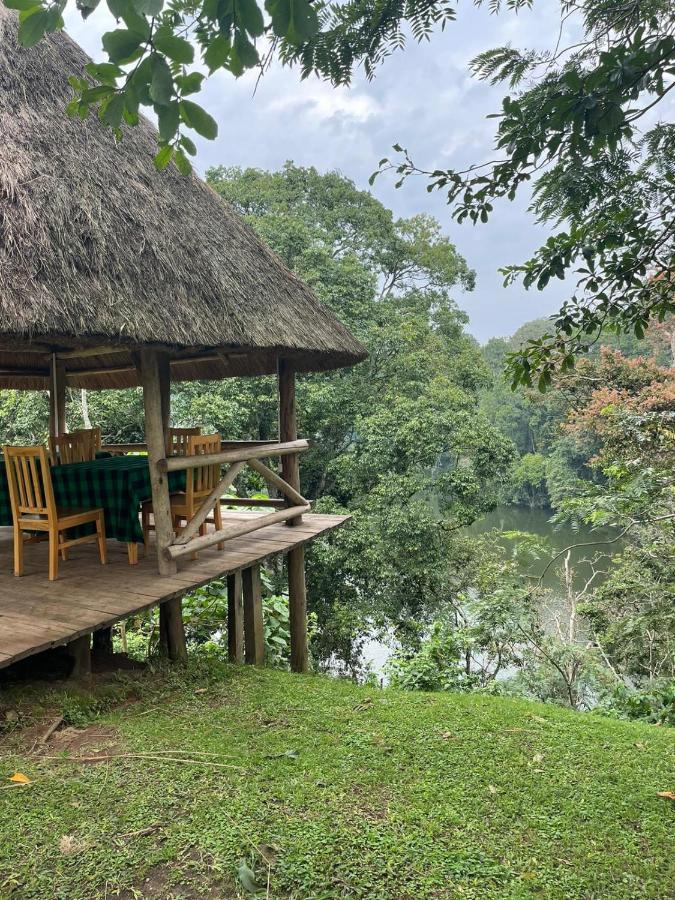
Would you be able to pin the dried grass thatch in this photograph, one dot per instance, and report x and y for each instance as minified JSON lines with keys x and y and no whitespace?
{"x":97,"y":249}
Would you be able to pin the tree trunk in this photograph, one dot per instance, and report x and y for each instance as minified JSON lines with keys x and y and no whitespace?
{"x":85,"y":408}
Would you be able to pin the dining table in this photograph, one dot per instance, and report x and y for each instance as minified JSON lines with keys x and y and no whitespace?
{"x":117,"y":484}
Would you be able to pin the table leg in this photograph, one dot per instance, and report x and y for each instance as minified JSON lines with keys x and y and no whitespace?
{"x":132,"y":553}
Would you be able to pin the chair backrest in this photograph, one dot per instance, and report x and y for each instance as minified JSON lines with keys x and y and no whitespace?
{"x":92,"y":440}
{"x":177,"y":440}
{"x":30,"y":481}
{"x":204,"y":478}
{"x":70,"y":448}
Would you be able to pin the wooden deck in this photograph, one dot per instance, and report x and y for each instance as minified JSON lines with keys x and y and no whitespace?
{"x":36,"y":614}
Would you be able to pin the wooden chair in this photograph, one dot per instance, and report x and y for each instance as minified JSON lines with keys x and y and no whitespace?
{"x":92,"y":440}
{"x":200,"y":483}
{"x":34,"y":509}
{"x":69,"y":448}
{"x":177,"y":440}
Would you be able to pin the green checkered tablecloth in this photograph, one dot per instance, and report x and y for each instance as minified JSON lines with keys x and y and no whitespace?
{"x":117,"y":484}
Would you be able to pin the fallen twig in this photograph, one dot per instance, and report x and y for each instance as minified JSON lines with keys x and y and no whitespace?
{"x":187,"y":752}
{"x":50,"y":731}
{"x":142,"y":832}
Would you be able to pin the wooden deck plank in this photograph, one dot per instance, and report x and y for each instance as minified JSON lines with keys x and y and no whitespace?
{"x":36,"y":614}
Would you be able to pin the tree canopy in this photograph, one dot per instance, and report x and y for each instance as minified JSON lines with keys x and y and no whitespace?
{"x":397,"y":441}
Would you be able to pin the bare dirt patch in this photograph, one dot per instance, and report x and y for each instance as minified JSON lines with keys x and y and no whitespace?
{"x":64,"y":738}
{"x":163,"y":882}
{"x":84,"y":741}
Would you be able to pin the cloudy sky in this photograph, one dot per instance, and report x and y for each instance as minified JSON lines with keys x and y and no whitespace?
{"x":424,"y":99}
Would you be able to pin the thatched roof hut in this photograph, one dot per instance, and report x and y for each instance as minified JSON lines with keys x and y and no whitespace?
{"x":100,"y":251}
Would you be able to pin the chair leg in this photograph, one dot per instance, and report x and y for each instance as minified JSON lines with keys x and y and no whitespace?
{"x":100,"y":539}
{"x":18,"y":552}
{"x":53,"y":555}
{"x":218,"y":519}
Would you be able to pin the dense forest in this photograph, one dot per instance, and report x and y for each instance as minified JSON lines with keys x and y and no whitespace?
{"x":424,"y":439}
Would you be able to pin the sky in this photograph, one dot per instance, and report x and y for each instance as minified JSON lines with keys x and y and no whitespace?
{"x":423,"y":98}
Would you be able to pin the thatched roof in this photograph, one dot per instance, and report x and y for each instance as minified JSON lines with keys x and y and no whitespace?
{"x":98,"y":249}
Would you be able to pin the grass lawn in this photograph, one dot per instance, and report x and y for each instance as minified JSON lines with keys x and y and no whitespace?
{"x":325,"y":789}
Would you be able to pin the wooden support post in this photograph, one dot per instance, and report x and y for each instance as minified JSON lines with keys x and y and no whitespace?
{"x":235,"y":618}
{"x":80,"y":651}
{"x":297,"y":608}
{"x":163,"y":643}
{"x":57,"y":396}
{"x":102,"y":641}
{"x":290,"y":471}
{"x":155,"y":388}
{"x":288,"y":425}
{"x":254,"y":634}
{"x":171,"y":625}
{"x":164,"y":366}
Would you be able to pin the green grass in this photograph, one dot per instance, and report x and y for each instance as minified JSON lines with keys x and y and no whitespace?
{"x":346,"y":791}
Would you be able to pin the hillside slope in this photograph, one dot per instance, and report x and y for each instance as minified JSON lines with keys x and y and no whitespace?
{"x":328,"y":790}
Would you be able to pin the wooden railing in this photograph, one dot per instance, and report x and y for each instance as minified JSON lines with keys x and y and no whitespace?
{"x":189,"y":540}
{"x":123,"y":449}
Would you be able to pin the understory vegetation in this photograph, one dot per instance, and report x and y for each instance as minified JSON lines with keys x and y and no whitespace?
{"x":421,"y":441}
{"x":221,"y":781}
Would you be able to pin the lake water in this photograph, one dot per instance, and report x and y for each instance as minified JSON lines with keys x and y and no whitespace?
{"x":555,"y":537}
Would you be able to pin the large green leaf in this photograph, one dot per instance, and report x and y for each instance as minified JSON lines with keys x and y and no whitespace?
{"x":148,"y":7}
{"x":182,"y":162}
{"x":176,"y":48}
{"x":97,"y":93}
{"x":189,"y":84}
{"x":86,"y":7}
{"x":196,"y":117}
{"x":217,"y":52}
{"x":121,"y":44}
{"x":164,"y":157}
{"x":168,"y":119}
{"x":161,"y":84}
{"x":244,"y":55}
{"x":22,"y":5}
{"x":106,"y":73}
{"x":296,"y":20}
{"x":111,"y":111}
{"x":34,"y":23}
{"x":280,"y":11}
{"x":250,"y":15}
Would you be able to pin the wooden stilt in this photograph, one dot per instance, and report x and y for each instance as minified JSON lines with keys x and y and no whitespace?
{"x":235,"y":618}
{"x":254,"y":646}
{"x":297,"y":608}
{"x":297,"y":592}
{"x":80,"y":651}
{"x":102,"y":641}
{"x":155,"y":388}
{"x":172,"y":613}
{"x":163,"y":645}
